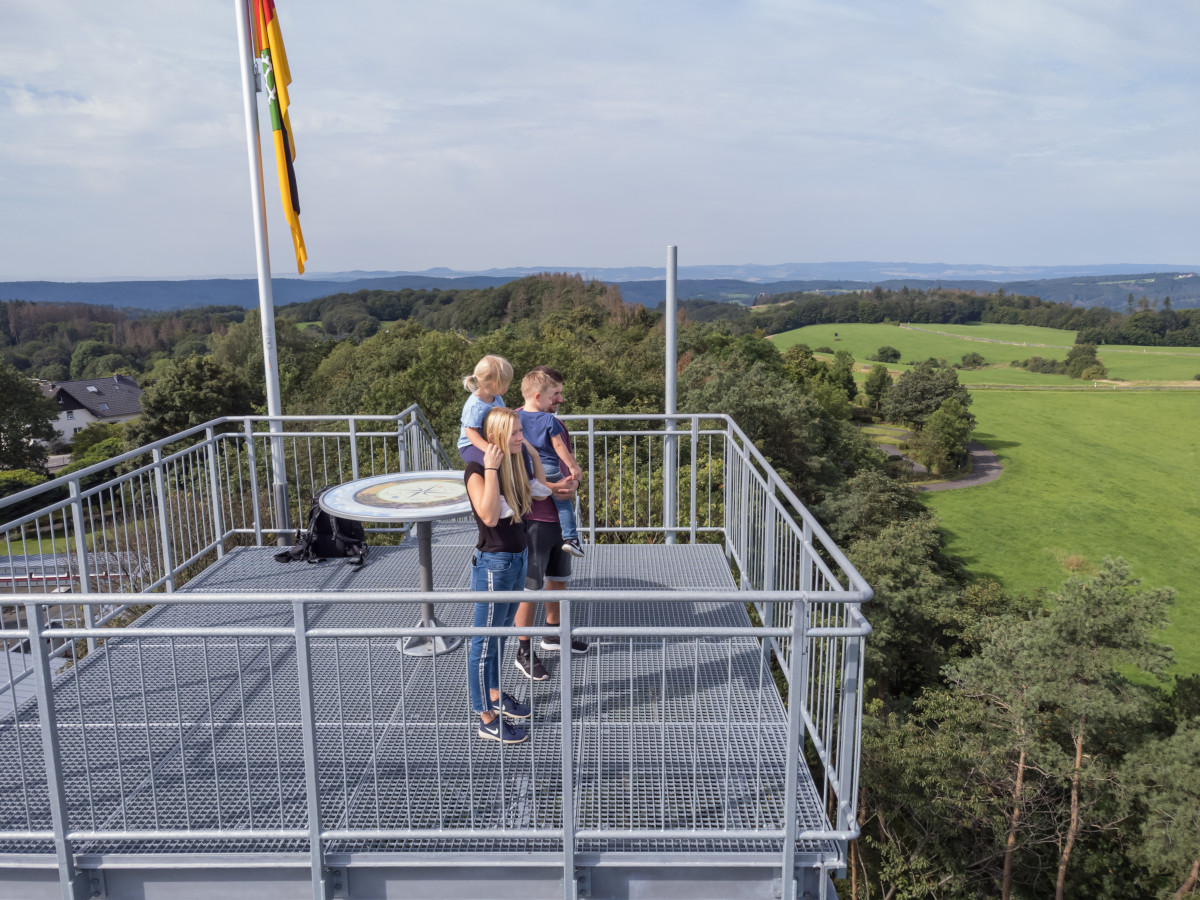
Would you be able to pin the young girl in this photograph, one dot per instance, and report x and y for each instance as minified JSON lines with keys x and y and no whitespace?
{"x":491,"y":378}
{"x":499,"y":491}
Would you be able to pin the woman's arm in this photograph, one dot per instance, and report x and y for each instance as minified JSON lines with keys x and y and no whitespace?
{"x":484,"y":490}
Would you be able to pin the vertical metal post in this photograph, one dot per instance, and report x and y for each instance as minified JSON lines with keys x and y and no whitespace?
{"x":567,"y":749}
{"x":791,"y":777}
{"x":85,"y":575}
{"x":849,"y":717}
{"x":695,"y":473}
{"x":250,"y":455}
{"x":215,"y":489}
{"x":353,"y":449}
{"x":262,"y":252}
{"x":401,"y":446}
{"x":164,"y":529}
{"x":308,"y":719}
{"x":591,"y":480}
{"x":670,"y":457}
{"x":73,"y":885}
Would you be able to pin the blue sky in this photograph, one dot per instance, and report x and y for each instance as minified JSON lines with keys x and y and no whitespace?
{"x":479,"y":134}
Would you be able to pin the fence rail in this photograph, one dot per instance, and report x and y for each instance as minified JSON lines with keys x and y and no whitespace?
{"x":134,"y":713}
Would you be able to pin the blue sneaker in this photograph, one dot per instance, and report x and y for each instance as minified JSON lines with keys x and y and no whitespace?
{"x":499,"y":730}
{"x":511,"y":707}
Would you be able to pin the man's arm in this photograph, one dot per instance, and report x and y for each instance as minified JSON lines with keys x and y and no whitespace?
{"x":565,"y":489}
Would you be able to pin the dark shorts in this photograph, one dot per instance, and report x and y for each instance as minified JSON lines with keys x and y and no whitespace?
{"x":547,"y":559}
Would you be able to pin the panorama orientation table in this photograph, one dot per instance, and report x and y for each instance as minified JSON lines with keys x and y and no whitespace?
{"x":420,"y":497}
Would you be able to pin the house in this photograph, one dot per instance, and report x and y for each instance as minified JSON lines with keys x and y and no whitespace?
{"x":80,"y":403}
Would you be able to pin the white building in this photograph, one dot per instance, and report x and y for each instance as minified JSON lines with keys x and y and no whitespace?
{"x":114,"y":399}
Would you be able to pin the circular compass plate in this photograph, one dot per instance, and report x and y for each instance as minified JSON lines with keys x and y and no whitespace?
{"x":400,"y":497}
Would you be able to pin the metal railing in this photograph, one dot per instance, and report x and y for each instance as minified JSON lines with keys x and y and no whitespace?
{"x":282,"y":721}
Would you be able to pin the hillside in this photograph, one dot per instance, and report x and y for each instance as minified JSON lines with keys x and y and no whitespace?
{"x":1110,"y":290}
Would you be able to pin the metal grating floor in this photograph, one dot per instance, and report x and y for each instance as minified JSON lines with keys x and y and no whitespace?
{"x":669,"y":733}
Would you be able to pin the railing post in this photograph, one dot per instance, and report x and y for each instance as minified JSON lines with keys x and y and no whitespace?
{"x":401,"y":445}
{"x":85,"y":575}
{"x":670,"y":463}
{"x":567,"y":749}
{"x":164,"y":529}
{"x":308,"y":720}
{"x":591,"y":480}
{"x":848,"y":728}
{"x":215,"y":488}
{"x":353,"y":449}
{"x":747,"y":564}
{"x":695,"y":474}
{"x":74,"y":885}
{"x":251,"y":457}
{"x":792,"y":775}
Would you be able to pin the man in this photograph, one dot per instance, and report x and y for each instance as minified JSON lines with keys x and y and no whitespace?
{"x":549,"y":563}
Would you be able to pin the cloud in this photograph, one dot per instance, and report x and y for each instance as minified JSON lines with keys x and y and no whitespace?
{"x":534,"y":132}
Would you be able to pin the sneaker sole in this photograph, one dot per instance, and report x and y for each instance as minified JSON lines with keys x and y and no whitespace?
{"x":554,"y":648}
{"x":520,"y":668}
{"x":495,"y":737}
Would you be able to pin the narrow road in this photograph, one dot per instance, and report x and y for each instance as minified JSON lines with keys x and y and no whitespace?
{"x":985,"y":467}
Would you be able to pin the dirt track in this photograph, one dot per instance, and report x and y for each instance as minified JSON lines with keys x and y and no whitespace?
{"x":985,"y":467}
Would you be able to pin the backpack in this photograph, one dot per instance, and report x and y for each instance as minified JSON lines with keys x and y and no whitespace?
{"x":327,"y":537}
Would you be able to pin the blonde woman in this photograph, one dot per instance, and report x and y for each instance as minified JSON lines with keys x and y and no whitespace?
{"x":499,"y":491}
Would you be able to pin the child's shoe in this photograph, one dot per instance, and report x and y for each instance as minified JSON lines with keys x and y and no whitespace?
{"x":572,"y":546}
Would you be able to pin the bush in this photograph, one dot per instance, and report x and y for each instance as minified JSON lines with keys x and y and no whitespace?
{"x":886,"y":354}
{"x":972,"y":360}
{"x":823,"y":350}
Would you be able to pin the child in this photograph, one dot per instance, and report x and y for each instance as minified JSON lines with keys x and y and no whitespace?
{"x":549,"y":437}
{"x":491,"y":378}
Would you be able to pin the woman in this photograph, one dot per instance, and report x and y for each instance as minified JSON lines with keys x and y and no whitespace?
{"x":499,"y":492}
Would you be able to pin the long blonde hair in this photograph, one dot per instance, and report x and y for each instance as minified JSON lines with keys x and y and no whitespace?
{"x":514,"y":483}
{"x":490,"y":372}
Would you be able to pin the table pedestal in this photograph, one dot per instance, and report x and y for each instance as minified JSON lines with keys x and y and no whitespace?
{"x":420,"y":644}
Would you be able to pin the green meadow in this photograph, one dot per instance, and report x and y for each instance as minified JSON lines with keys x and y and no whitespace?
{"x":1088,"y":473}
{"x":999,"y":345}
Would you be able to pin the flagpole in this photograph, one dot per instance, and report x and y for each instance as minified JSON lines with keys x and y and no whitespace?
{"x":266,"y":300}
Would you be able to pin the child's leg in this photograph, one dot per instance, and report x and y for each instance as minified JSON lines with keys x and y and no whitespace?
{"x":566,"y":519}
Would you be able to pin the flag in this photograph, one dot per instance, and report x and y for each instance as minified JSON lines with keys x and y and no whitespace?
{"x":275,"y":73}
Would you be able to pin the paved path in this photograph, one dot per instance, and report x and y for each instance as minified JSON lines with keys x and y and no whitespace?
{"x":985,"y":467}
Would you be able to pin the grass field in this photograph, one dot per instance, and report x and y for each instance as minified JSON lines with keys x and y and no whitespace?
{"x":1087,"y":472}
{"x":999,"y":345}
{"x":1087,"y":475}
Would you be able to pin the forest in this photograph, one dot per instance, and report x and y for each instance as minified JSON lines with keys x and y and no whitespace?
{"x":1013,"y":746}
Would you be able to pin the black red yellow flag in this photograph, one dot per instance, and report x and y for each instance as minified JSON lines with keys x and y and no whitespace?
{"x":278,"y":77}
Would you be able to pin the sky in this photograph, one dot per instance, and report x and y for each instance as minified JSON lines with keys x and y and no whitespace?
{"x":532,"y":133}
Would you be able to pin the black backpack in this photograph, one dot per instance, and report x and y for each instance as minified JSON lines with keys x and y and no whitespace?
{"x":327,"y":537}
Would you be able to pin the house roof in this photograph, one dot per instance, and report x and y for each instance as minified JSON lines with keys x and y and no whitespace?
{"x":104,"y":398}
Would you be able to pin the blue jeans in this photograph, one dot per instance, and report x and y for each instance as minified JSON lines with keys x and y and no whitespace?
{"x":565,"y":508}
{"x":492,"y":572}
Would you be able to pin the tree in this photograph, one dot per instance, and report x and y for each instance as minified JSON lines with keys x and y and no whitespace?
{"x":918,"y":392}
{"x":944,"y":438}
{"x":190,"y":393}
{"x":1099,"y":632}
{"x":886,"y":354}
{"x":1162,"y":782}
{"x":26,"y":420}
{"x":877,"y":384}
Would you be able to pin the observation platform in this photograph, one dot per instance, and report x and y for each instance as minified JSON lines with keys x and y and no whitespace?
{"x":248,"y":728}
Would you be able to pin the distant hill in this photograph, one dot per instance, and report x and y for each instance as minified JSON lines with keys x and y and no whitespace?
{"x":1110,"y":289}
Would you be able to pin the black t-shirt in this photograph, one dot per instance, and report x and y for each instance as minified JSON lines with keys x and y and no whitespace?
{"x":504,"y":536}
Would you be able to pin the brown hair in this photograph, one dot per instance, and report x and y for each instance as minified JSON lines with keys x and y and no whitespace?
{"x":514,"y":484}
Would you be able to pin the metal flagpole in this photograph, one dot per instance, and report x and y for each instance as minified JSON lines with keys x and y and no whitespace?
{"x":266,"y":301}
